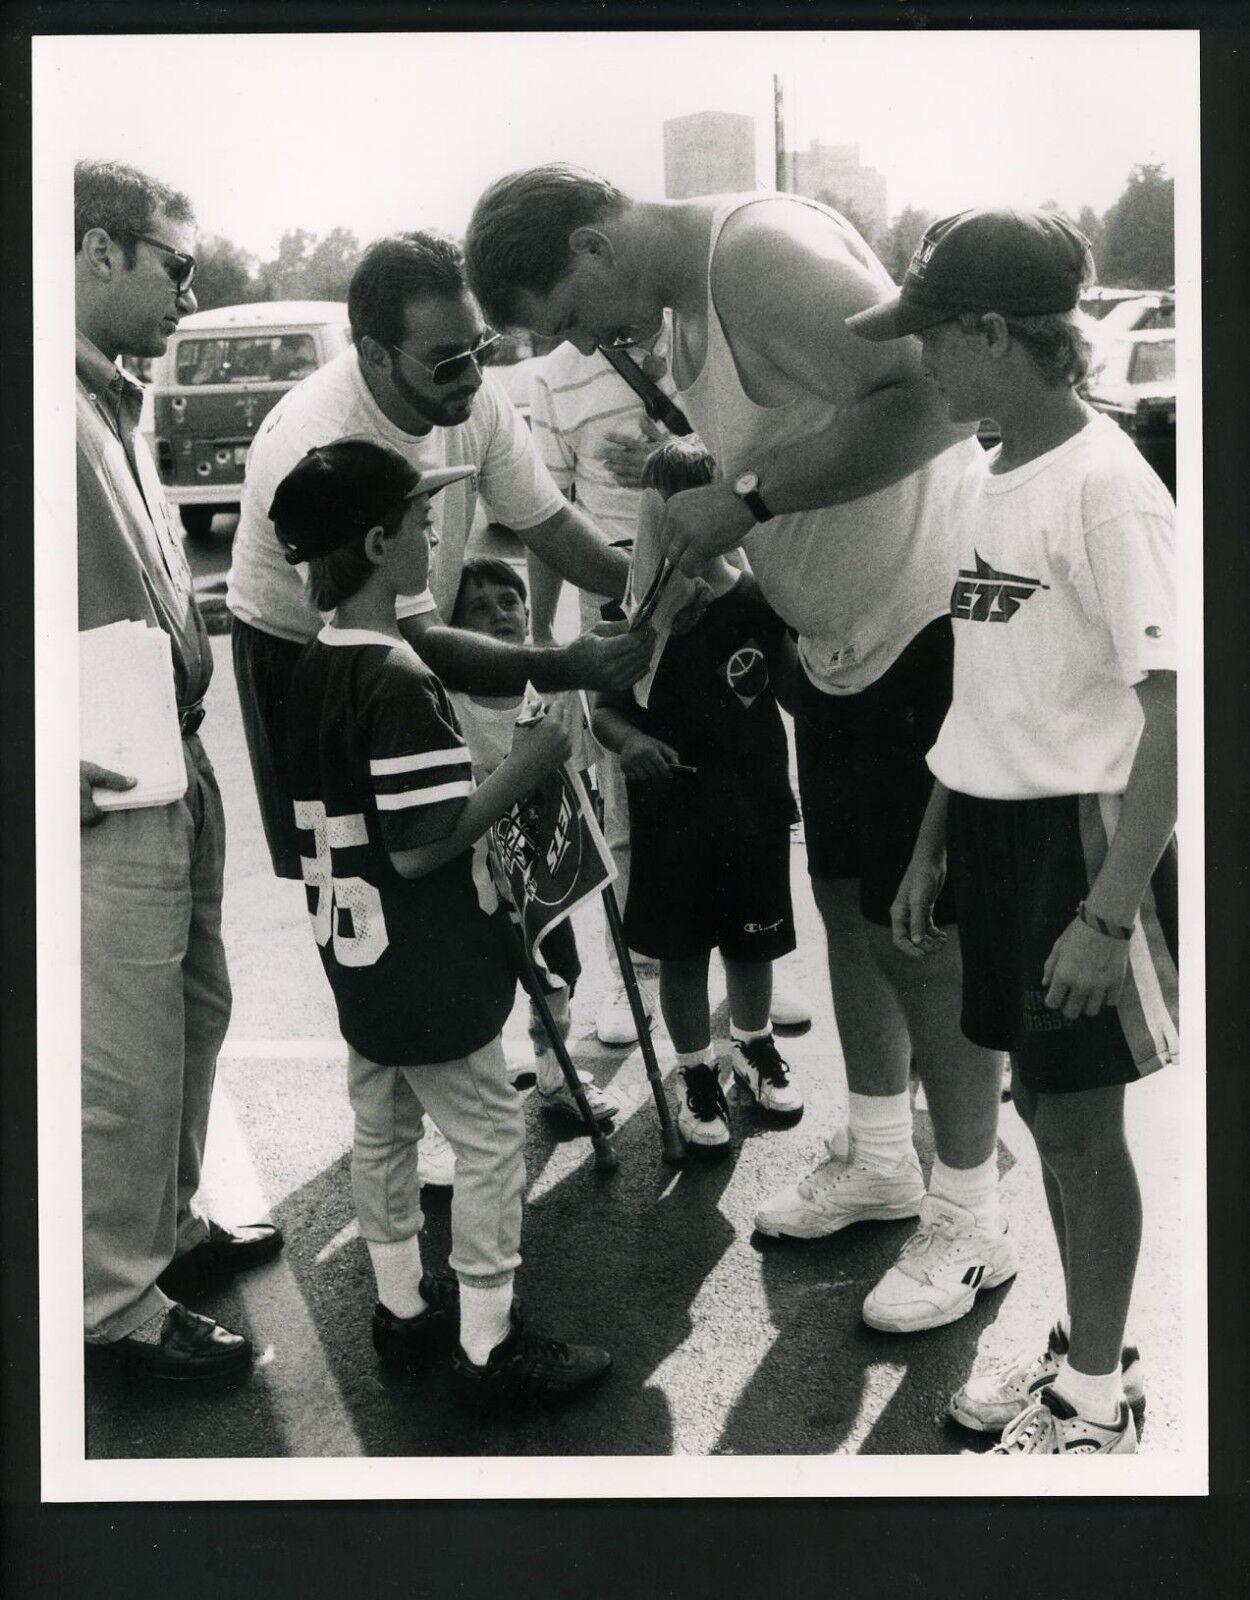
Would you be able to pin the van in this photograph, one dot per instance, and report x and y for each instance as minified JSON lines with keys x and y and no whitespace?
{"x":221,"y":374}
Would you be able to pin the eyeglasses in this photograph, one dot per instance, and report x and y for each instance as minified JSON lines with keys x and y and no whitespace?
{"x":451,"y":367}
{"x":181,"y":267}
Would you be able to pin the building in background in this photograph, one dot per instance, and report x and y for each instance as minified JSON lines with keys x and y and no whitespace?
{"x":708,"y":152}
{"x":833,"y":173}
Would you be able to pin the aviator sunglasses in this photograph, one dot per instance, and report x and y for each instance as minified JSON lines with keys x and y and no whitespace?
{"x":451,"y":367}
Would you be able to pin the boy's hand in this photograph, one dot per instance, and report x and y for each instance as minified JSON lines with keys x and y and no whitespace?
{"x":625,"y":454}
{"x":1084,"y":971}
{"x":92,"y":777}
{"x":608,"y":660}
{"x":703,"y":522}
{"x":911,"y":914}
{"x":540,"y":747}
{"x":644,"y":758}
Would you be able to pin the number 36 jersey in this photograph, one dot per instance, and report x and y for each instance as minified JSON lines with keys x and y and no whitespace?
{"x":421,"y":970}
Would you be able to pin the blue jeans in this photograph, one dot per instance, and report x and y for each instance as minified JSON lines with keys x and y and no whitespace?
{"x":155,"y":1008}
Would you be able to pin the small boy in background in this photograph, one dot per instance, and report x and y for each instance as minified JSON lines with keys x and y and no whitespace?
{"x":411,"y":933}
{"x":710,"y":811}
{"x":492,"y":600}
{"x":1056,"y":783}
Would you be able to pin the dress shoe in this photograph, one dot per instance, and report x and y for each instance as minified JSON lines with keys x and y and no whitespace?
{"x":225,"y":1252}
{"x":191,"y":1348}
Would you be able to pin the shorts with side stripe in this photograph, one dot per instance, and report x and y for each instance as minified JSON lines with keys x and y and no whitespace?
{"x":1019,"y":868}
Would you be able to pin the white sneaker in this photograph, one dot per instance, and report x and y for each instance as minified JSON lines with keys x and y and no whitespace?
{"x":941,"y":1267}
{"x":843,"y":1190}
{"x":703,"y":1114}
{"x":560,"y":1102}
{"x":786,"y":1009}
{"x":988,"y":1403}
{"x":1052,"y":1427}
{"x":436,"y":1160}
{"x":615,"y":1022}
{"x":762,"y":1072}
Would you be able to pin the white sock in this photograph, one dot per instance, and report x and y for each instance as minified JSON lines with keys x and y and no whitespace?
{"x":485,"y":1318}
{"x":735,"y":1032}
{"x":695,"y":1058}
{"x":1096,"y":1396}
{"x":881,"y":1127}
{"x":973,"y":1188}
{"x":397,"y":1269}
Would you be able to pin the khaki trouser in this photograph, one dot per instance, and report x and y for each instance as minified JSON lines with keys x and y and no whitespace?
{"x":482,"y":1118}
{"x":155,"y":1007}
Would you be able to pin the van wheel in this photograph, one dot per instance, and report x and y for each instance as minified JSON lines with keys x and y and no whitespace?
{"x":198,"y":520}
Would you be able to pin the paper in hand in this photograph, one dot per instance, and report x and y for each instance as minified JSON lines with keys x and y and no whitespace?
{"x":128,"y":713}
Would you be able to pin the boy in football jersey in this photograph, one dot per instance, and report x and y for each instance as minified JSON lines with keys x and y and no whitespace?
{"x":409,"y":927}
{"x":493,"y":601}
{"x":1056,"y":781}
{"x":710,"y":811}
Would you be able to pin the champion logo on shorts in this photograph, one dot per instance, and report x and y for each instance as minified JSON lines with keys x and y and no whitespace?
{"x":760,"y":927}
{"x":746,"y":673}
{"x":983,"y":595}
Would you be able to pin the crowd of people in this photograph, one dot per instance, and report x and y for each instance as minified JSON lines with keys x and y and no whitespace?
{"x":977,"y":650}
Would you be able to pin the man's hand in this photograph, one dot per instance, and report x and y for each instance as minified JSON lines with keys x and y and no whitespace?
{"x":911,"y":914}
{"x":1084,"y":971}
{"x":644,"y":758}
{"x":703,"y":522}
{"x":625,"y":453}
{"x":607,"y":657}
{"x":92,"y":777}
{"x":693,"y":609}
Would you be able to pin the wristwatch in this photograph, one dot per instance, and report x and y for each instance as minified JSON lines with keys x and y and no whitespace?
{"x":746,"y":487}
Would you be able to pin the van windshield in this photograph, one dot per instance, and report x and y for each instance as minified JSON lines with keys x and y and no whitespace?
{"x":246,"y":358}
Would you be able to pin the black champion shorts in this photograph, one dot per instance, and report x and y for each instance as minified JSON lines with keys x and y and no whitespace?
{"x":863,"y":780}
{"x":1020,"y":868}
{"x":693,"y":889}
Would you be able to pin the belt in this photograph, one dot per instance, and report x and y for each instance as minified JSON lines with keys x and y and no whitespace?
{"x":190,"y":718}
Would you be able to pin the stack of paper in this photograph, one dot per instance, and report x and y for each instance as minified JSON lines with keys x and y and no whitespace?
{"x":128,"y":713}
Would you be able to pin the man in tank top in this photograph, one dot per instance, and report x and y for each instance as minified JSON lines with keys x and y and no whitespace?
{"x":837,"y":471}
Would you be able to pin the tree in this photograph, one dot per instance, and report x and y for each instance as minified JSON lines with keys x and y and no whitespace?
{"x":1090,"y":224}
{"x":1139,"y":239}
{"x":224,"y":274}
{"x":901,"y":238}
{"x":308,"y":268}
{"x":847,"y":209}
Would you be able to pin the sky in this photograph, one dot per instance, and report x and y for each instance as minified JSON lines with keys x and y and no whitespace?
{"x":378,"y":132}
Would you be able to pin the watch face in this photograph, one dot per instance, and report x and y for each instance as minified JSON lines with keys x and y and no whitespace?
{"x":746,"y":483}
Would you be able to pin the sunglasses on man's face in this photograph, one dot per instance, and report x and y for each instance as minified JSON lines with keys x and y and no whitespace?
{"x":451,"y":367}
{"x":180,"y":266}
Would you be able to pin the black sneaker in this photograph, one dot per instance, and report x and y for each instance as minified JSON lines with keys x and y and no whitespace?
{"x":765,"y":1074}
{"x":703,"y":1116}
{"x":528,"y":1366}
{"x":412,"y":1341}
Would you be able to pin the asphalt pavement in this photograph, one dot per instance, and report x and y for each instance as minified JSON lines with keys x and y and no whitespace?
{"x":724,"y":1344}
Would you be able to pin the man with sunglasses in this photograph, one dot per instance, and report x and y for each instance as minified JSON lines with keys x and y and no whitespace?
{"x":155,"y":991}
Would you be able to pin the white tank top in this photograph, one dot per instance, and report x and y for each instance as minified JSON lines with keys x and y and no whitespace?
{"x":858,"y":581}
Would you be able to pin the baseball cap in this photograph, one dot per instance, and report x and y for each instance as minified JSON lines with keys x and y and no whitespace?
{"x":340,"y":490}
{"x":1018,"y":263}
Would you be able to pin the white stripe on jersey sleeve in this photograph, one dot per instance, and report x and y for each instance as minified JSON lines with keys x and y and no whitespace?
{"x":424,"y":797}
{"x":387,"y":766}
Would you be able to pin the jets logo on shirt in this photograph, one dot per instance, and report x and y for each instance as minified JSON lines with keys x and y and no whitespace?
{"x":983,"y":595}
{"x":746,"y":673}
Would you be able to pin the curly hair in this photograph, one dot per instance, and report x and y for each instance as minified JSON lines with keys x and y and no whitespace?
{"x":422,"y":265}
{"x":1058,"y":344}
{"x":123,"y":201}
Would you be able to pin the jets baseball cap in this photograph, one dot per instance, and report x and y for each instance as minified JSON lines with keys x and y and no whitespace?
{"x":1018,"y":263}
{"x":341,"y":490}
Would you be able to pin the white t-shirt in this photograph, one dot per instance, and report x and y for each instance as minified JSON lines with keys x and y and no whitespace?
{"x":334,"y":403}
{"x":1063,"y":601}
{"x":577,"y":401}
{"x":488,"y":731}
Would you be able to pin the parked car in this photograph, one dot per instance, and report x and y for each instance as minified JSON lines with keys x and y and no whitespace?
{"x":1135,"y":383}
{"x":222,"y":372}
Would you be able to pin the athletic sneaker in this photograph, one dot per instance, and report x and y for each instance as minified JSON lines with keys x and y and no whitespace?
{"x":615,"y":1022}
{"x":528,"y":1365}
{"x":703,"y":1115}
{"x":988,"y":1403}
{"x":765,"y":1076}
{"x":786,"y":1010}
{"x":941,"y":1267}
{"x":1052,"y":1427}
{"x":559,"y":1101}
{"x":843,"y":1190}
{"x":436,"y":1160}
{"x":412,"y":1341}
